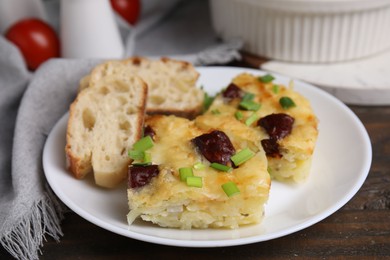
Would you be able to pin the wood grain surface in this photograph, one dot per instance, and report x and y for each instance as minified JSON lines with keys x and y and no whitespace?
{"x":359,"y":230}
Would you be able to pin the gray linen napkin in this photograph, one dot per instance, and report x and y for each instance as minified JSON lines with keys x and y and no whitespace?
{"x":28,"y":209}
{"x":30,"y":105}
{"x":13,"y":80}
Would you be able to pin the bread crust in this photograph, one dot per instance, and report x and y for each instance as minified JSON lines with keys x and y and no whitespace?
{"x":171,"y":83}
{"x":82,"y":139}
{"x":76,"y":165}
{"x":169,"y":88}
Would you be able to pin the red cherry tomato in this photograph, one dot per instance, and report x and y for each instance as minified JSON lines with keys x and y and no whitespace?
{"x":36,"y":40}
{"x":128,"y":9}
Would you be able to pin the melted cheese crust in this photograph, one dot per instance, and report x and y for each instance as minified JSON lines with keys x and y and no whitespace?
{"x":169,"y":202}
{"x":298,"y":147}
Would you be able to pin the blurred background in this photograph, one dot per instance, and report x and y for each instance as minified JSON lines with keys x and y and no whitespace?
{"x":109,"y":29}
{"x":340,"y":46}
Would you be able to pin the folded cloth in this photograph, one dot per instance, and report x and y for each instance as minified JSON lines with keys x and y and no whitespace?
{"x":31,"y":103}
{"x":28,"y":209}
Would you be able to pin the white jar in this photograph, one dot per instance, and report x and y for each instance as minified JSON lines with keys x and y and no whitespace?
{"x":88,"y":30}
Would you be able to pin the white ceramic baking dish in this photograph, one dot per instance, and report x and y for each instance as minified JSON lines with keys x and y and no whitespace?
{"x":313,"y":31}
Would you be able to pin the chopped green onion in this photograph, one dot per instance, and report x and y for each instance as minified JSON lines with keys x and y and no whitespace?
{"x":239,"y":115}
{"x":266,"y":78}
{"x":136,"y":154}
{"x":147,"y":158}
{"x":141,"y":157}
{"x":185,"y":172}
{"x":275,"y":89}
{"x":242,"y":156}
{"x":286,"y":102}
{"x":194,"y":181}
{"x":250,"y":105}
{"x":221,"y":167}
{"x":199,"y":166}
{"x":253,"y":118}
{"x":207,"y":101}
{"x":248,"y":96}
{"x":143,"y":144}
{"x":230,"y":188}
{"x":215,"y":112}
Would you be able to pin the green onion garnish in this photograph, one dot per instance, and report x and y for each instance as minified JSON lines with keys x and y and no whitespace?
{"x":136,"y":155}
{"x":266,"y":78}
{"x":250,"y":105}
{"x":143,"y":144}
{"x":194,"y":181}
{"x":207,"y":101}
{"x":248,"y":96}
{"x":275,"y":89}
{"x":199,"y":166}
{"x":253,"y":118}
{"x":230,"y":188}
{"x":242,"y":156}
{"x":185,"y":172}
{"x":286,"y":102}
{"x":147,"y":158}
{"x":239,"y":115}
{"x":221,"y":167}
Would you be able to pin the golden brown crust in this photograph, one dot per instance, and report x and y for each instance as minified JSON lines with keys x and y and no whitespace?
{"x":75,"y":166}
{"x":183,"y":64}
{"x":176,"y":66}
{"x":175,"y":78}
{"x":296,"y":149}
{"x":74,"y":163}
{"x":208,"y":206}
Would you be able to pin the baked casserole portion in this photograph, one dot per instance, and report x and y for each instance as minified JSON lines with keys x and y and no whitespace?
{"x":226,"y":196}
{"x":283,"y":118}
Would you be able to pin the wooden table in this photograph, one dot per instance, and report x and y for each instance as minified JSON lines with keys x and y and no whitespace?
{"x":360,"y":229}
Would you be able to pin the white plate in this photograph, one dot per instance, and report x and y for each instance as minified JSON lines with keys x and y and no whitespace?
{"x":341,"y":163}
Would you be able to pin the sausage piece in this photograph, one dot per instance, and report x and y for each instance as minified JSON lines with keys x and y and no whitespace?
{"x":215,"y":147}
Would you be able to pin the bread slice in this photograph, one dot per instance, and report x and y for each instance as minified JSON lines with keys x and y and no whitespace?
{"x":169,"y":202}
{"x":171,"y":83}
{"x":293,"y":160}
{"x":104,"y":122}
